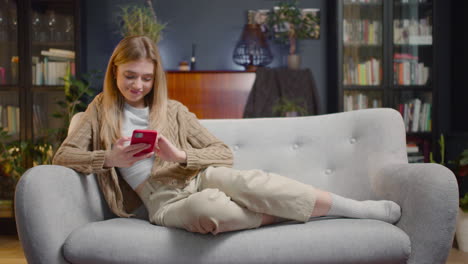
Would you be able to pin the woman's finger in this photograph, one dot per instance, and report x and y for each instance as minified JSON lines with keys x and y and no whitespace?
{"x":122,"y":140}
{"x":156,"y":144}
{"x":136,"y":147}
{"x":134,"y":151}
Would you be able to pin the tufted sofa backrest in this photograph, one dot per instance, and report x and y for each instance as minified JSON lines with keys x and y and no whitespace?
{"x":337,"y":152}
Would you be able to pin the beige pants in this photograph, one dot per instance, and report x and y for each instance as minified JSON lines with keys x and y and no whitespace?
{"x":223,"y":199}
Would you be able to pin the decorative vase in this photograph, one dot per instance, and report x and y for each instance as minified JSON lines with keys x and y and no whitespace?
{"x":294,"y":61}
{"x":462,"y":230}
{"x":291,"y":114}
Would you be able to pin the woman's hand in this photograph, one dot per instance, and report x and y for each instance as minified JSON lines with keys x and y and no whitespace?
{"x":167,"y":151}
{"x":123,"y":156}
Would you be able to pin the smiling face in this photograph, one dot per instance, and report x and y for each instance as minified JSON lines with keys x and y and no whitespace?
{"x":135,"y":79}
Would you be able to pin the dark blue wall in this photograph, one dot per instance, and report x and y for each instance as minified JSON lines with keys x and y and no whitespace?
{"x":213,"y":25}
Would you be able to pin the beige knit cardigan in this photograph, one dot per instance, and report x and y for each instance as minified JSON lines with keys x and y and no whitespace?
{"x":84,"y":152}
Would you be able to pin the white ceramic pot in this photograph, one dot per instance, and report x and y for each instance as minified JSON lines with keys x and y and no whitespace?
{"x":294,"y":61}
{"x":462,"y":230}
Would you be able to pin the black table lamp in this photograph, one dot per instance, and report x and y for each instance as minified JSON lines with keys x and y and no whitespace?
{"x":252,"y":49}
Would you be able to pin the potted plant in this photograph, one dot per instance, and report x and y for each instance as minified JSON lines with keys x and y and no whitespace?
{"x":462,"y":224}
{"x":140,"y":20}
{"x":76,"y":93}
{"x":289,"y":108}
{"x":13,"y":163}
{"x":460,"y":168}
{"x":288,"y":25}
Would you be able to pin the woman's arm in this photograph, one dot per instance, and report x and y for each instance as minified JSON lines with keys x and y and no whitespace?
{"x":206,"y":150}
{"x":76,"y":151}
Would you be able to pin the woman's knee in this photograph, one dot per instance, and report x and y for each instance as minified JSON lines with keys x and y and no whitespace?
{"x":203,"y":208}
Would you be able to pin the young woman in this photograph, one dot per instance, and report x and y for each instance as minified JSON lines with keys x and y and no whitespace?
{"x":187,"y":182}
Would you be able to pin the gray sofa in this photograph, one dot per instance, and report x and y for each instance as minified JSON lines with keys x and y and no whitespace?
{"x":62,"y":217}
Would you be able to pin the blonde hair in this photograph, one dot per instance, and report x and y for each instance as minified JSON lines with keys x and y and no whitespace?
{"x":130,"y":49}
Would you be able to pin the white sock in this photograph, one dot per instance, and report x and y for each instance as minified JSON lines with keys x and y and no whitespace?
{"x":383,"y":210}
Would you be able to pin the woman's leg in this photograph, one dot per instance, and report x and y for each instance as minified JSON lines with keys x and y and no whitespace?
{"x":208,"y":211}
{"x":261,"y":192}
{"x":275,"y":195}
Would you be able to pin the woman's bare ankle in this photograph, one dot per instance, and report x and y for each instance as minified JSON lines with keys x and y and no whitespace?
{"x":322,"y":204}
{"x":268,"y":219}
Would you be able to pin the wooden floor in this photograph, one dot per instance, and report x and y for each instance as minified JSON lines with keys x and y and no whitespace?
{"x":11,"y":252}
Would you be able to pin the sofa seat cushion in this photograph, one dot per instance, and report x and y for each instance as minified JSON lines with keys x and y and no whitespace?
{"x":324,"y":240}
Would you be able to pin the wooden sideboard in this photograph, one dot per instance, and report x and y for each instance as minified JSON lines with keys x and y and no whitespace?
{"x":211,"y":94}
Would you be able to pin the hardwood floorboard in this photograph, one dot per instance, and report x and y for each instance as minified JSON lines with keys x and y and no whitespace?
{"x":11,"y":251}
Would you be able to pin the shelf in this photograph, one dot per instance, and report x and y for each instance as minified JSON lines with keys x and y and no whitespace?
{"x":351,"y":45}
{"x":9,"y":43}
{"x":422,"y":88}
{"x":363,"y":87}
{"x":53,"y":44}
{"x":427,"y":4}
{"x":412,"y":45}
{"x":48,"y":88}
{"x":427,"y":135}
{"x":364,"y":5}
{"x":9,"y":88}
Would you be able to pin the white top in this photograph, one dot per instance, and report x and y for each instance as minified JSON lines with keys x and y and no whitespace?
{"x":135,"y":118}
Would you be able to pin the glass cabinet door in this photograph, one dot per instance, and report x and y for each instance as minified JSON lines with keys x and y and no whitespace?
{"x":413,"y":63}
{"x":9,"y":62}
{"x":53,"y":58}
{"x":8,"y":43}
{"x":362,"y":56}
{"x":52,"y":36}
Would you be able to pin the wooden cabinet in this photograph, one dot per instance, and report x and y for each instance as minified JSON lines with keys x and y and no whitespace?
{"x":211,"y":94}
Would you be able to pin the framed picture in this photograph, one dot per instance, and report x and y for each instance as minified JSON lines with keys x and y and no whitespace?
{"x":259,"y":17}
{"x":314,"y":17}
{"x":311,"y":16}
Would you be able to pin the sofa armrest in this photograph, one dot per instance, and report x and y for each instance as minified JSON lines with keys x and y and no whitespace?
{"x":428,"y":196}
{"x":50,"y":202}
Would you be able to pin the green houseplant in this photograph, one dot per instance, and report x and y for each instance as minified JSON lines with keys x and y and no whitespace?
{"x":76,"y":91}
{"x":14,"y":158}
{"x":289,"y":24}
{"x":140,"y":20}
{"x":288,"y":107}
{"x":460,"y":168}
{"x":461,"y":164}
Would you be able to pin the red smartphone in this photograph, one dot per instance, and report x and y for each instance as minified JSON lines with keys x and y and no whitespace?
{"x":144,"y":136}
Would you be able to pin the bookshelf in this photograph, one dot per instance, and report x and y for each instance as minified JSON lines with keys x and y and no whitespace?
{"x":385,"y":57}
{"x":39,"y":44}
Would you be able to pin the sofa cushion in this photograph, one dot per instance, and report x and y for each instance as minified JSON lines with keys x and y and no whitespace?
{"x":324,"y":240}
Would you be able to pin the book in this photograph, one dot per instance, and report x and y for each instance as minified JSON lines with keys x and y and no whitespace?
{"x":416,"y":115}
{"x":62,"y":51}
{"x":416,"y":159}
{"x":39,"y":121}
{"x":13,"y":119}
{"x":408,"y":70}
{"x":58,"y":54}
{"x":412,"y":148}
